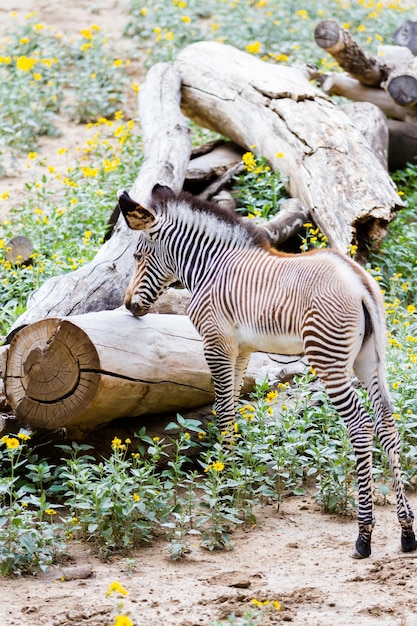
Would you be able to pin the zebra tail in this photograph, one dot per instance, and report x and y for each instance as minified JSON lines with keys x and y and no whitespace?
{"x":375,"y":325}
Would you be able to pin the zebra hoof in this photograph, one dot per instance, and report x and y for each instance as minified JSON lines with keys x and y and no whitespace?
{"x":362,"y":549}
{"x":408,"y":540}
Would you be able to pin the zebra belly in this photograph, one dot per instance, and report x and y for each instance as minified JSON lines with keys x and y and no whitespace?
{"x":279,"y":343}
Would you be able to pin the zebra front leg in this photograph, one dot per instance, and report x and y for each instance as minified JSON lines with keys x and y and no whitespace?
{"x":222,"y":367}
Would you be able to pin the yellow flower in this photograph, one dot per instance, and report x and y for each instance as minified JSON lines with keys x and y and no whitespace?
{"x":116,"y":587}
{"x":271,"y":395}
{"x":50,"y":512}
{"x":395,"y":384}
{"x":253,"y":48}
{"x":218,"y":466}
{"x":135,"y":87}
{"x":32,"y":155}
{"x":122,"y":620}
{"x":4,"y":195}
{"x":23,"y":436}
{"x":25,"y":64}
{"x":249,"y":161}
{"x":12,"y":443}
{"x":117,"y":62}
{"x":411,"y":309}
{"x":86,"y":33}
{"x":116,"y":443}
{"x":169,"y":36}
{"x":279,"y":155}
{"x":155,"y":439}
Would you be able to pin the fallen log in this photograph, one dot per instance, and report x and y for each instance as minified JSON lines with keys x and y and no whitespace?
{"x":84,"y":371}
{"x":327,"y":163}
{"x":344,"y":85}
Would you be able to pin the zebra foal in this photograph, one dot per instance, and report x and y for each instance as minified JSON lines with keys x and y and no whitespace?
{"x":247,"y":297}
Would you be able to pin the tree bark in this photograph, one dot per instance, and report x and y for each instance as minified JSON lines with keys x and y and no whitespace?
{"x":83,"y":371}
{"x":328,"y":164}
{"x":101,"y":284}
{"x":351,"y":57}
{"x":373,"y":125}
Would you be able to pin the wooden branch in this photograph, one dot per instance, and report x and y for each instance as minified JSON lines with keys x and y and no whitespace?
{"x":83,"y":371}
{"x":351,"y":57}
{"x":101,"y":284}
{"x":290,"y":219}
{"x":215,"y":163}
{"x":298,"y":130}
{"x":348,"y":87}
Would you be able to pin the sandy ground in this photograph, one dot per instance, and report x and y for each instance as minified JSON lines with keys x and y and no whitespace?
{"x":297,"y":556}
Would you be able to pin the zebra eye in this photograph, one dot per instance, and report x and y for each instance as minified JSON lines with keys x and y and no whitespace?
{"x":138,"y":256}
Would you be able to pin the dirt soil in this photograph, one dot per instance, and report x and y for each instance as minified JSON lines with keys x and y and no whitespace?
{"x":298,"y":556}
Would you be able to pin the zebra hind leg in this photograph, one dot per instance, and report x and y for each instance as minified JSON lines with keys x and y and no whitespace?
{"x":387,"y":433}
{"x":360,"y":428}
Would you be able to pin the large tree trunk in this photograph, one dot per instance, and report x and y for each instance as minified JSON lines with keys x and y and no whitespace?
{"x":101,"y":284}
{"x":83,"y":371}
{"x":328,"y":164}
{"x":330,"y":168}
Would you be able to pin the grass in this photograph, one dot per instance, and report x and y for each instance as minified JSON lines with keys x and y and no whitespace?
{"x":274,"y":453}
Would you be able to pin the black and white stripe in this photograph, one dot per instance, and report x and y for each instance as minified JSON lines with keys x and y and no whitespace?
{"x":247,"y":297}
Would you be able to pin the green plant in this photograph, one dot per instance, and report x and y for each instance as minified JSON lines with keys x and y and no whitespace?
{"x":40,"y":70}
{"x":30,"y":539}
{"x":259,"y":191}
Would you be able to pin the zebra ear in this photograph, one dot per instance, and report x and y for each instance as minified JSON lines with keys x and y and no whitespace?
{"x":136,"y":216}
{"x":161,"y":191}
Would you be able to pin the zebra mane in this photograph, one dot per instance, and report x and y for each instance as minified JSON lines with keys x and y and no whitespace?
{"x":256,"y":236}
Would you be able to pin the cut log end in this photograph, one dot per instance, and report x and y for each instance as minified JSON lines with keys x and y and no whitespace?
{"x":403,"y":90}
{"x":327,"y":35}
{"x":50,"y":374}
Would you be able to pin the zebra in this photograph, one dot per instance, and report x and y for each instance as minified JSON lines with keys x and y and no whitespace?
{"x":246,"y":296}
